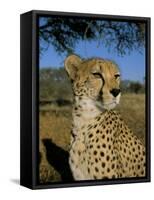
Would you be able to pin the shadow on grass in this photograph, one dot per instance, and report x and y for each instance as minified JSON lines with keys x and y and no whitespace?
{"x":58,"y":158}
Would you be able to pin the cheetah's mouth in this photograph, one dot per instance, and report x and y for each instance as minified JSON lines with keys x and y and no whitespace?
{"x":107,"y":105}
{"x":110,"y":105}
{"x":104,"y":106}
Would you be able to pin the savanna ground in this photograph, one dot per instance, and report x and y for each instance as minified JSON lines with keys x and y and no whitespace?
{"x":55,"y":126}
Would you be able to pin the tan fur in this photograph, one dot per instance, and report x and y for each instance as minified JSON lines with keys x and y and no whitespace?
{"x":102,"y":146}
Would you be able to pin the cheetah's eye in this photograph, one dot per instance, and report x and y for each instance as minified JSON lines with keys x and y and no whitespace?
{"x":97,"y":75}
{"x":117,"y":76}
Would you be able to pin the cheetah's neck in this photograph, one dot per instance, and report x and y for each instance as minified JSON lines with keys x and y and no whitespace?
{"x":84,"y":111}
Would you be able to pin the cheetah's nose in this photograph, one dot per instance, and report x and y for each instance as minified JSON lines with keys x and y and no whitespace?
{"x":115,"y":92}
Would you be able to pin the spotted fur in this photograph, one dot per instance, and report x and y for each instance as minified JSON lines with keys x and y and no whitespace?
{"x":102,"y":146}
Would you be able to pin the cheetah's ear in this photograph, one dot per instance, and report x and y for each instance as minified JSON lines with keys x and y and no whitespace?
{"x":71,"y":65}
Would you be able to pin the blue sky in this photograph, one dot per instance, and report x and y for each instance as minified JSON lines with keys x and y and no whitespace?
{"x":132,"y":66}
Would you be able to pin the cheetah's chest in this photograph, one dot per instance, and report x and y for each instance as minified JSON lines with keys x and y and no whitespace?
{"x":105,"y":148}
{"x":89,"y":150}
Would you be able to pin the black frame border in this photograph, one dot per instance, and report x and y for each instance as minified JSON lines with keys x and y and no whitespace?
{"x":29,"y":142}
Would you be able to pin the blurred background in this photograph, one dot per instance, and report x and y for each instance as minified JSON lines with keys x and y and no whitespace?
{"x":120,"y":41}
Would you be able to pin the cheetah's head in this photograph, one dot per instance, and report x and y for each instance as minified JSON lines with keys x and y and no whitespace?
{"x":96,"y":79}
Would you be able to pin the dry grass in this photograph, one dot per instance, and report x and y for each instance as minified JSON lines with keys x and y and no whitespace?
{"x":132,"y":110}
{"x":55,"y":124}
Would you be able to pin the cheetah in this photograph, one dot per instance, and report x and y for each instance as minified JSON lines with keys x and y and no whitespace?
{"x":102,"y":146}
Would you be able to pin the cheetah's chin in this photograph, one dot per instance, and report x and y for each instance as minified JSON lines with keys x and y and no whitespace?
{"x":109,"y":106}
{"x":106,"y":106}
